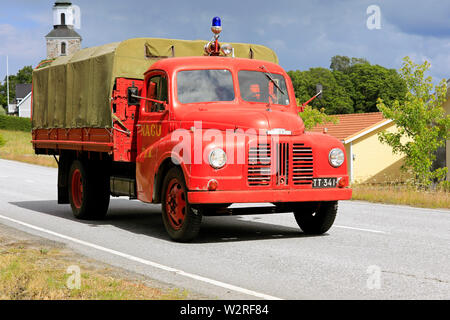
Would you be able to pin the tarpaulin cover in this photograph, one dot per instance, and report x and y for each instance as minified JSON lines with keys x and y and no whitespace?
{"x":74,"y":91}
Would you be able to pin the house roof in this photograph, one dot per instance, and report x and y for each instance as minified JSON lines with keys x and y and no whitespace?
{"x":352,"y":126}
{"x":22,"y":90}
{"x":62,"y":31}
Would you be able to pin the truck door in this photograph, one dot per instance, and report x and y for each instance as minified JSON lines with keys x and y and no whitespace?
{"x":152,"y":123}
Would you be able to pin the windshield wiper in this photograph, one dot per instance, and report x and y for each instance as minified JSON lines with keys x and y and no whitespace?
{"x":270,"y":77}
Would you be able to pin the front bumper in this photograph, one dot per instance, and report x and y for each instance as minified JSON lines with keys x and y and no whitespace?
{"x":270,"y":195}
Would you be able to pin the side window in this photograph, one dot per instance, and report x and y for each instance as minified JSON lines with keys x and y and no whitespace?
{"x":157,"y":89}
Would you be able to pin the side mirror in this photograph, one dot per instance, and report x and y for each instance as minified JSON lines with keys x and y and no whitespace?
{"x":133,"y":93}
{"x":319,"y":91}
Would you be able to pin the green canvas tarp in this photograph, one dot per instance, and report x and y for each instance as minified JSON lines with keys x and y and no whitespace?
{"x":74,"y":91}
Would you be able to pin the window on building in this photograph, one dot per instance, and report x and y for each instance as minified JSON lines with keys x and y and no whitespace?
{"x":63,"y":48}
{"x":63,"y":18}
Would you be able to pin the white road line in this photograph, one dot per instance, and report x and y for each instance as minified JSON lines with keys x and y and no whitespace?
{"x":147,"y":262}
{"x":360,"y":229}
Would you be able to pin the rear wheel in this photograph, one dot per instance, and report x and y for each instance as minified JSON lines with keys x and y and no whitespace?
{"x":316,"y":217}
{"x":181,"y":220}
{"x":88,"y":190}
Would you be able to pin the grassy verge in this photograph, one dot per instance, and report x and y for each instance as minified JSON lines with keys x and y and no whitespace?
{"x":398,"y":194}
{"x":17,"y":146}
{"x":28,"y":272}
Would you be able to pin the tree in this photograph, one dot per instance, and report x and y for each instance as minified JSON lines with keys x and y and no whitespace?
{"x":353,"y":85}
{"x":344,"y":63}
{"x":335,"y":98}
{"x":312,"y":117}
{"x":421,"y":121}
{"x":23,"y":76}
{"x":371,"y":82}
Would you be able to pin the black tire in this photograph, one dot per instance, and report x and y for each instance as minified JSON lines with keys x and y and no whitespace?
{"x":93,"y":201}
{"x":185,"y":226}
{"x":316,"y":218}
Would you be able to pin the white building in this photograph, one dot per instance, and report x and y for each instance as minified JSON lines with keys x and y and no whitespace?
{"x":24,"y":107}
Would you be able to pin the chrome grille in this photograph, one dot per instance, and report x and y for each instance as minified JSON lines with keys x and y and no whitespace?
{"x":302,"y":164}
{"x":282,"y":163}
{"x":259,"y":165}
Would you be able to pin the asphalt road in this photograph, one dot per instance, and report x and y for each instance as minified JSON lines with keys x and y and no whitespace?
{"x":373,"y":251}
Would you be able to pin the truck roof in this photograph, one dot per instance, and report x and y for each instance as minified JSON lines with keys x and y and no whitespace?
{"x":74,"y":91}
{"x":175,"y":64}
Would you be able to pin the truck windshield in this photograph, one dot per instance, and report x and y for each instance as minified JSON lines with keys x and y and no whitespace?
{"x":205,"y":86}
{"x":256,"y":86}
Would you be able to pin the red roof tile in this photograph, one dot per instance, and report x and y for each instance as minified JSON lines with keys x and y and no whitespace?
{"x":351,"y":124}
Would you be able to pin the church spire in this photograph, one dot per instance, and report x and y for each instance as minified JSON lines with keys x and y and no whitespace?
{"x":63,"y":39}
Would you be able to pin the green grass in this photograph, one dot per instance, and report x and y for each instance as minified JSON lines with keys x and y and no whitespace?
{"x":28,"y":273}
{"x":401,"y":194}
{"x":17,"y":146}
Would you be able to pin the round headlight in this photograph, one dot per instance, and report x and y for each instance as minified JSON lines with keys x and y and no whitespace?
{"x":227,"y":49}
{"x":336,"y":157}
{"x":217,"y":158}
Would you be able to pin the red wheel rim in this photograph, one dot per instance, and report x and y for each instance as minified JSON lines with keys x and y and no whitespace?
{"x":175,"y":204}
{"x":77,"y":188}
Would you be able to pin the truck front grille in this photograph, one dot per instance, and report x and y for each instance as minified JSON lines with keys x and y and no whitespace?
{"x":288,"y":164}
{"x":282,"y":164}
{"x":302,"y":164}
{"x":259,"y":165}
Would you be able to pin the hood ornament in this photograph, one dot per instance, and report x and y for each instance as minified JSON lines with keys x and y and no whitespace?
{"x":279,"y":131}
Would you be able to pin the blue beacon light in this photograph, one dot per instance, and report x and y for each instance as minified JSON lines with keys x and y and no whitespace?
{"x":216,"y":25}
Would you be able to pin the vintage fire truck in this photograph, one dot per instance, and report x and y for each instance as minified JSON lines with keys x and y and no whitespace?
{"x":194,"y":125}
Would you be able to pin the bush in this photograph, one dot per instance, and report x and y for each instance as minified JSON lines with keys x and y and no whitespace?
{"x":15,"y":123}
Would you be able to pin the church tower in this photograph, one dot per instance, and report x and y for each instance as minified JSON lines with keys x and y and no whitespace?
{"x":63,"y":39}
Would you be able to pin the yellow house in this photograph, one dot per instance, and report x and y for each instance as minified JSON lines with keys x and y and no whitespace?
{"x":368,"y":160}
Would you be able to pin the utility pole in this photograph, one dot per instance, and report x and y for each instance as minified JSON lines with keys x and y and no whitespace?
{"x":7,"y":81}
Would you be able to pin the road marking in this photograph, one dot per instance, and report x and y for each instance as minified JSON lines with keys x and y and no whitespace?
{"x":360,"y":229}
{"x":147,"y":262}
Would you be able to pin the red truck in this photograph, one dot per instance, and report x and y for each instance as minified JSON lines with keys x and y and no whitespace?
{"x":194,"y":127}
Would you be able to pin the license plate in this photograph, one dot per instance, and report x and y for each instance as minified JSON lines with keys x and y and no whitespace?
{"x":324,"y":182}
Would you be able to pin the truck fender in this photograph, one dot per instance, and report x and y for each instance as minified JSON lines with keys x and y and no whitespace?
{"x":164,"y":164}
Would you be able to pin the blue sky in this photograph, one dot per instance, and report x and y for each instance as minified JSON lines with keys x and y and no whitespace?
{"x":304,"y":33}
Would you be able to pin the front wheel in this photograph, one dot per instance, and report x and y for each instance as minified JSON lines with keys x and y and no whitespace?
{"x":181,"y":220}
{"x":316,"y":218}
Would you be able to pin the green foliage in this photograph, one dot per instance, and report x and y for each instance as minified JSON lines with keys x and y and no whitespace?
{"x":334,"y":100}
{"x":2,"y":141}
{"x":23,"y":76}
{"x":352,"y":85}
{"x":15,"y":123}
{"x":422,"y":123}
{"x":312,"y":117}
{"x":344,"y":63}
{"x":2,"y":111}
{"x":373,"y":82}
